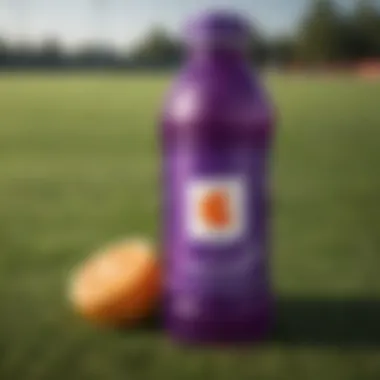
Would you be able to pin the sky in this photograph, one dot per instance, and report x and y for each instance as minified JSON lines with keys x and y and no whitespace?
{"x":123,"y":22}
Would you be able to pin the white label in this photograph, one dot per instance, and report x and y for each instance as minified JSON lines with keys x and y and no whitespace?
{"x":215,"y":209}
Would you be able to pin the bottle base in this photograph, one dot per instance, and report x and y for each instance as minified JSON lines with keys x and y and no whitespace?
{"x":212,"y":333}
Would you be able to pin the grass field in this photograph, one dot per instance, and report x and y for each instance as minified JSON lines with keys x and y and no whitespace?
{"x":79,"y":167}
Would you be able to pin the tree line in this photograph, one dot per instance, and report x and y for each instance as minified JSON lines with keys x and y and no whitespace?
{"x":325,"y":35}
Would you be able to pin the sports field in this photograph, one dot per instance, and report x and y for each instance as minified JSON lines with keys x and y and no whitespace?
{"x":79,"y":166}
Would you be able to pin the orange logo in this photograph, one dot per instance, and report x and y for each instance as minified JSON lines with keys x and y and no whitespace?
{"x":215,"y":209}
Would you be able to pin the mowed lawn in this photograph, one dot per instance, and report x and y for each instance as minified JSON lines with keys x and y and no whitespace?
{"x":79,"y":167}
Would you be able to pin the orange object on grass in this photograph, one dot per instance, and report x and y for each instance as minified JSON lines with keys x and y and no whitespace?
{"x":215,"y":209}
{"x":120,"y":285}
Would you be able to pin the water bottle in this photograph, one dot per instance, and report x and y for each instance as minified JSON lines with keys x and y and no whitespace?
{"x":217,"y":129}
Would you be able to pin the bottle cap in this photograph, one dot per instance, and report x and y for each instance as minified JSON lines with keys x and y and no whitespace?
{"x":218,"y":29}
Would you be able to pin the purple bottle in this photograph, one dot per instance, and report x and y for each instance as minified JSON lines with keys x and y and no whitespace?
{"x":217,"y":133}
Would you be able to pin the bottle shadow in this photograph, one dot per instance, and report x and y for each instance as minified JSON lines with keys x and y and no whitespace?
{"x":309,"y":321}
{"x":328,"y":322}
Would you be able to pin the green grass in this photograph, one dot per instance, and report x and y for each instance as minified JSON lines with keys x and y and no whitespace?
{"x":79,"y":167}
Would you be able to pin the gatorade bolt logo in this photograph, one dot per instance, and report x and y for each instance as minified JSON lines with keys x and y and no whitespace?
{"x":215,"y":209}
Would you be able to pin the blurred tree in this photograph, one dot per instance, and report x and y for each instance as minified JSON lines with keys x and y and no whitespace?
{"x":51,"y":53}
{"x":322,"y":34}
{"x":23,"y":54}
{"x":366,"y":29}
{"x":4,"y":53}
{"x":87,"y":55}
{"x":282,"y":50}
{"x":258,"y":50}
{"x":158,"y":48}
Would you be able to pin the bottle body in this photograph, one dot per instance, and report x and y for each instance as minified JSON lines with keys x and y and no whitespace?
{"x":217,"y":132}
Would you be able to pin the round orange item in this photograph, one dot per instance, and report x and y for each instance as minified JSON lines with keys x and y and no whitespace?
{"x":120,"y":285}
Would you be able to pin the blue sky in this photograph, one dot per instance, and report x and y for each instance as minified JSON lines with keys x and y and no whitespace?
{"x":123,"y":22}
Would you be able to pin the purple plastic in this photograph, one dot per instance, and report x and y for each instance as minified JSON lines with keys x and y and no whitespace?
{"x":217,"y":123}
{"x":213,"y":28}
